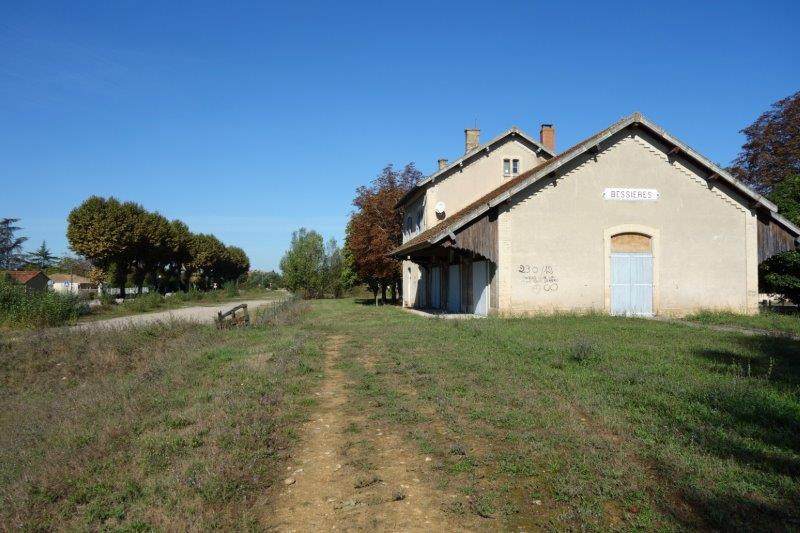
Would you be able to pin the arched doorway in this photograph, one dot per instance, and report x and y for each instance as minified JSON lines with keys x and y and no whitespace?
{"x":631,"y":274}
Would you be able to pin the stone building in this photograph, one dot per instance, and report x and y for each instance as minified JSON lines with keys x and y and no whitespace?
{"x":629,"y":221}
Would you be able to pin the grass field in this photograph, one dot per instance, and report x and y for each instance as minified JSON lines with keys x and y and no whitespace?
{"x":766,"y":320}
{"x":561,"y":422}
{"x":168,"y":427}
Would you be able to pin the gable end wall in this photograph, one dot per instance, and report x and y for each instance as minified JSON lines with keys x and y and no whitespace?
{"x":554,"y":237}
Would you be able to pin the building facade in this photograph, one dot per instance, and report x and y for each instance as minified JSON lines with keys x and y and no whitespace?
{"x":74,"y":284}
{"x":630,"y":221}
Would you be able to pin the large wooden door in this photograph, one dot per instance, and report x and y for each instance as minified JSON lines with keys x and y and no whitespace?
{"x":632,"y":284}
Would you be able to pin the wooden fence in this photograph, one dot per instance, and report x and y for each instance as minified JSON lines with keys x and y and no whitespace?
{"x":229,"y":318}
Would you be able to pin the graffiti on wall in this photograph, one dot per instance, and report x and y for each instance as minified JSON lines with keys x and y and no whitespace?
{"x":539,"y":278}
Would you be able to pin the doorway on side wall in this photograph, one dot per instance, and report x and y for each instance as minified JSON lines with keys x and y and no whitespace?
{"x":480,"y":287}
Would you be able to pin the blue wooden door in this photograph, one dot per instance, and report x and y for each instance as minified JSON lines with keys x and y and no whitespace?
{"x":454,"y":289}
{"x":632,"y":284}
{"x":480,"y":288}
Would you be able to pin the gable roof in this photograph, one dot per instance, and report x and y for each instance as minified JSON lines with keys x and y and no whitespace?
{"x":61,"y":277}
{"x":511,"y":132}
{"x":517,"y":184}
{"x":24,"y":276}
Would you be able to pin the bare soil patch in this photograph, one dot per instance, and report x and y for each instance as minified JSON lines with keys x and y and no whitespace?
{"x":353,"y":473}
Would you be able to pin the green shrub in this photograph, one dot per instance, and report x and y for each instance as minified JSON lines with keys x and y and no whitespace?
{"x":19,"y":308}
{"x":780,"y":274}
{"x":192,"y":295}
{"x":145,"y":302}
{"x":231,"y":290}
{"x":582,"y":350}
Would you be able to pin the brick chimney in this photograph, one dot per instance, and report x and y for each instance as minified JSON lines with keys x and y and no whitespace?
{"x":547,"y":136}
{"x":442,"y":163}
{"x":472,"y":138}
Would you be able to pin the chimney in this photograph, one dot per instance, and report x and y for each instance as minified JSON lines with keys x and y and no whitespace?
{"x":442,"y":163}
{"x":472,"y":138}
{"x":547,"y":136}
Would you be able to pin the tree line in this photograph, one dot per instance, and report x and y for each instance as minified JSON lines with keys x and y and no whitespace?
{"x":125,"y":241}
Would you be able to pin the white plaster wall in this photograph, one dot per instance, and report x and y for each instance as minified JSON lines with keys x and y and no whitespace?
{"x":705,"y":241}
{"x":479,"y":177}
{"x":413,"y":209}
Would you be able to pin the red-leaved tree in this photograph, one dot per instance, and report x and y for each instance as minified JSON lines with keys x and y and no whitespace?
{"x":375,"y":229}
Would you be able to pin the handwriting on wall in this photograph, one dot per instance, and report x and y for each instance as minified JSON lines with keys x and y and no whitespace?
{"x":540,"y":278}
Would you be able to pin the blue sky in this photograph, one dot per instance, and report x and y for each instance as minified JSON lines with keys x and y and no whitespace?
{"x":251,"y":120}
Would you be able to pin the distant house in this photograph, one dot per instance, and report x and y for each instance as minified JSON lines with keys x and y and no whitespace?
{"x":73,"y":283}
{"x":34,"y":280}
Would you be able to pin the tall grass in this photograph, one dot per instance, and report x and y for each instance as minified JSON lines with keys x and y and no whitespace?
{"x":36,"y":309}
{"x":168,"y":427}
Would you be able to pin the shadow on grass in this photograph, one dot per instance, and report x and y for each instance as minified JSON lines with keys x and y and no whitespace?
{"x":371,"y":302}
{"x":717,"y":510}
{"x":776,"y":359}
{"x":753,"y":420}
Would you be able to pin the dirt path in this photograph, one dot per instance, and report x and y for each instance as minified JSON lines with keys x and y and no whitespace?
{"x":331,"y":485}
{"x":199,"y":313}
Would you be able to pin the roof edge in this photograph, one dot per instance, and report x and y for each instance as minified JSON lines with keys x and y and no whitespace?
{"x":528,"y":178}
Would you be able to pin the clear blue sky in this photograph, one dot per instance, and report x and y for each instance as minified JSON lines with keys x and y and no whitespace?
{"x":249,"y":121}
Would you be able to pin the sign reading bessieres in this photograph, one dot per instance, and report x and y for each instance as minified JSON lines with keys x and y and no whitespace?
{"x":630,"y":195}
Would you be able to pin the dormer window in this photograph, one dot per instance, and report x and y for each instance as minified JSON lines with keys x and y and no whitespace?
{"x":510,"y":167}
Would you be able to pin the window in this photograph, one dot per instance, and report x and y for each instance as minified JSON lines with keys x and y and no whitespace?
{"x":510,"y":167}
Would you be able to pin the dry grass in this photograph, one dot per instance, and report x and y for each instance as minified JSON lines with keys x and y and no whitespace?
{"x":170,"y":426}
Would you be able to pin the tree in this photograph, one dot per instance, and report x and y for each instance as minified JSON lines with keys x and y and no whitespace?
{"x":347,"y":277}
{"x":780,"y":274}
{"x":786,"y":195}
{"x":106,"y":232}
{"x":772,"y":150}
{"x":265,"y":280}
{"x":234,"y":264}
{"x":207,"y":254}
{"x":339,"y":278}
{"x":10,"y":246}
{"x":42,"y":257}
{"x":75,"y":265}
{"x":153,"y":248}
{"x":303,"y":264}
{"x":375,"y":228}
{"x":181,"y":254}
